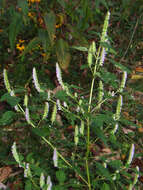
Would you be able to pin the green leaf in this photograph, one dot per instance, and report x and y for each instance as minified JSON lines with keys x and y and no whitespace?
{"x":104,"y":3}
{"x":108,"y":47}
{"x":43,"y":132}
{"x":80,"y":48}
{"x":60,"y":175}
{"x":35,"y":41}
{"x":116,"y":164}
{"x":36,"y":169}
{"x":12,"y":100}
{"x":50,"y":22}
{"x":14,"y":29}
{"x":100,"y":134}
{"x":102,"y":171}
{"x":28,"y":185}
{"x":44,"y":38}
{"x":105,"y":186}
{"x":120,"y":66}
{"x":108,"y":78}
{"x":61,"y":95}
{"x":7,"y":118}
{"x":63,"y":55}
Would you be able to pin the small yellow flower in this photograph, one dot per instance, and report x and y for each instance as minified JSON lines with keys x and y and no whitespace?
{"x":21,"y":41}
{"x":58,"y":25}
{"x":34,"y":1}
{"x":20,"y":46}
{"x":31,"y":15}
{"x":43,"y":54}
{"x":1,"y":30}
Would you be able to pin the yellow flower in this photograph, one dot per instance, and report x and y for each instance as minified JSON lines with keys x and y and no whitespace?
{"x":34,"y":1}
{"x":1,"y":30}
{"x":43,"y":54}
{"x":21,"y":41}
{"x":31,"y":15}
{"x":58,"y":25}
{"x":20,"y":46}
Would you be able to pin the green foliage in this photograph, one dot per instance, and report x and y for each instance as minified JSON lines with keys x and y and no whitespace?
{"x":82,"y":125}
{"x":7,"y":118}
{"x":12,"y":100}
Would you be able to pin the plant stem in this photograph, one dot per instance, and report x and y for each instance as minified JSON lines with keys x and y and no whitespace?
{"x":88,"y":120}
{"x":88,"y":176}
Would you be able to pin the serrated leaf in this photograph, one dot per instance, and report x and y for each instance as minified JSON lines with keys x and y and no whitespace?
{"x":63,"y":55}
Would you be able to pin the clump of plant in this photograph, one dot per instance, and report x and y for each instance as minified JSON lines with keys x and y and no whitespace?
{"x":82,"y":132}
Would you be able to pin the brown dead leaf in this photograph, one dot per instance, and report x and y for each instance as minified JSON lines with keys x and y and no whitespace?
{"x":5,"y":172}
{"x":136,"y":77}
{"x":139,"y":69}
{"x":140,"y":130}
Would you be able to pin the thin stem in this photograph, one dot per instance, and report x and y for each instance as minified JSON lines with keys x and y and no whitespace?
{"x":88,"y":120}
{"x":93,"y":80}
{"x":88,"y":176}
{"x":131,"y":39}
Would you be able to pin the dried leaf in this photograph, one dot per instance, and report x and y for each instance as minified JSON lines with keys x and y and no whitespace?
{"x":136,"y":77}
{"x":139,"y":69}
{"x":4,"y":173}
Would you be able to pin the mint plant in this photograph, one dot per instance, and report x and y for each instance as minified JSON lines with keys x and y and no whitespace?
{"x":89,"y":123}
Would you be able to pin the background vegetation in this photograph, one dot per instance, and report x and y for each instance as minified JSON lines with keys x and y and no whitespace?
{"x":40,"y":33}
